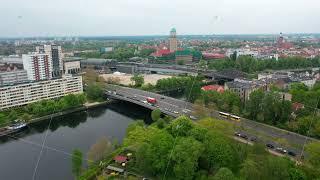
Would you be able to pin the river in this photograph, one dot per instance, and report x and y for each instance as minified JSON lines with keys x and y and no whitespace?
{"x":19,"y":153}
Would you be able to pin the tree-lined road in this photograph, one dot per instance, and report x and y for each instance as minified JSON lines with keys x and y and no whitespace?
{"x":176,"y":107}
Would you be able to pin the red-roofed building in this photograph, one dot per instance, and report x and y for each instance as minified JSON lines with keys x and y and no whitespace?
{"x":213,"y":55}
{"x":161,"y":52}
{"x":297,"y":106}
{"x":217,"y":88}
{"x":120,"y":159}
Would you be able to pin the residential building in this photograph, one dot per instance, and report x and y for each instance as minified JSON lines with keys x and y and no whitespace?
{"x":12,"y":77}
{"x":173,"y":43}
{"x":25,"y":93}
{"x":243,"y":87}
{"x":72,"y":67}
{"x":55,"y":56}
{"x":38,"y":66}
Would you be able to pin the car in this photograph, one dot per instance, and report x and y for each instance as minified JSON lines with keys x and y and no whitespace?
{"x":145,"y":102}
{"x":243,"y":136}
{"x":162,"y":98}
{"x":176,"y":112}
{"x":193,"y":118}
{"x":281,"y":150}
{"x":185,"y":110}
{"x":271,"y":146}
{"x":237,"y":134}
{"x":291,"y":153}
{"x":253,"y":139}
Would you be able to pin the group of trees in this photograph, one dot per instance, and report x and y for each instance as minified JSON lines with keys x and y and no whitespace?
{"x":302,"y":94}
{"x":138,"y":80}
{"x":191,"y":85}
{"x":268,"y":107}
{"x":184,"y":150}
{"x":42,"y":107}
{"x":94,"y":92}
{"x":120,"y":54}
{"x":249,"y":64}
{"x":306,"y":119}
{"x":227,"y":101}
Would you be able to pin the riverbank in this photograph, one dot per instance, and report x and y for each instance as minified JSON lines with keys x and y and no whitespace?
{"x":72,"y":110}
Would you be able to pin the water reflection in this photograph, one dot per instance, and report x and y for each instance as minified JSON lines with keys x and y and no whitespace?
{"x":75,"y":119}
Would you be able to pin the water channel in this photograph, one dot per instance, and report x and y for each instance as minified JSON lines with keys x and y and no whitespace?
{"x":19,"y":153}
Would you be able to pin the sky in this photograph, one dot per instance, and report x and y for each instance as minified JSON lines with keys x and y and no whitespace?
{"x":156,"y":17}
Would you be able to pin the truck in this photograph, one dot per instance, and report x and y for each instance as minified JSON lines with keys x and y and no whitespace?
{"x":151,"y":100}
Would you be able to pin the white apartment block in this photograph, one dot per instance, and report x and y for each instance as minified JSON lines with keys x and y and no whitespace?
{"x":23,"y":94}
{"x":38,"y":66}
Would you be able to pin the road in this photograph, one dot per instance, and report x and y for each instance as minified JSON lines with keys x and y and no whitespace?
{"x":175,"y":107}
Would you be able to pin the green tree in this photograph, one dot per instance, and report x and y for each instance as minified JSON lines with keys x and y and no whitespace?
{"x":137,"y":79}
{"x":223,"y":174}
{"x":193,"y":90}
{"x":94,"y":92}
{"x":12,"y":115}
{"x":218,"y":152}
{"x":76,"y":162}
{"x":155,"y":114}
{"x":296,"y":174}
{"x":153,"y":157}
{"x":185,"y":157}
{"x":250,"y":170}
{"x":100,"y":149}
{"x":313,"y":151}
{"x":180,"y":127}
{"x":180,"y":62}
{"x":254,"y":105}
{"x":26,"y":117}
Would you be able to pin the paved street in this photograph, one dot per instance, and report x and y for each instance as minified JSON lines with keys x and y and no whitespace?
{"x":176,"y":107}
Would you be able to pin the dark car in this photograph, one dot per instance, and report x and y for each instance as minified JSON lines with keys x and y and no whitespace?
{"x":243,"y":136}
{"x":162,"y":98}
{"x":270,"y":146}
{"x":253,"y":139}
{"x":291,"y":153}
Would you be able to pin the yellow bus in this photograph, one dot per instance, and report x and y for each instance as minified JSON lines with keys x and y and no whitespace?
{"x":223,"y":114}
{"x":235,"y":118}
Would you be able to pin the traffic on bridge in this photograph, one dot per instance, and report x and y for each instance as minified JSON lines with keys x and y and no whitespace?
{"x":246,"y":128}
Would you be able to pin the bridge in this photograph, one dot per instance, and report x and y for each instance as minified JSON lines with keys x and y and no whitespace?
{"x":175,"y":107}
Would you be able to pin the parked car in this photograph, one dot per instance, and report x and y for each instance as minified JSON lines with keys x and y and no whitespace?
{"x":243,"y":136}
{"x":237,"y":134}
{"x":281,"y":150}
{"x":270,"y":146}
{"x":291,"y":153}
{"x":253,"y":139}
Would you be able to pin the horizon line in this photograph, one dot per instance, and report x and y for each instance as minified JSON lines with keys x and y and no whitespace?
{"x":163,"y":35}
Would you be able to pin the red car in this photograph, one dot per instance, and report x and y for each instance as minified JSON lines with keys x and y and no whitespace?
{"x":151,"y":100}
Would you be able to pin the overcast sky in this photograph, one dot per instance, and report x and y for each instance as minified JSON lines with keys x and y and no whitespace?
{"x":156,"y":17}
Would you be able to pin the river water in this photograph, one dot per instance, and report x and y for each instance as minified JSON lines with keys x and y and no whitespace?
{"x":19,"y":153}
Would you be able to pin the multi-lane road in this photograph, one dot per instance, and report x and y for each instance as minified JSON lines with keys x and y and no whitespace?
{"x":175,"y":107}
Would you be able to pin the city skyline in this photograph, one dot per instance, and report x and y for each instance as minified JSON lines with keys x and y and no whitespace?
{"x":126,"y":18}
